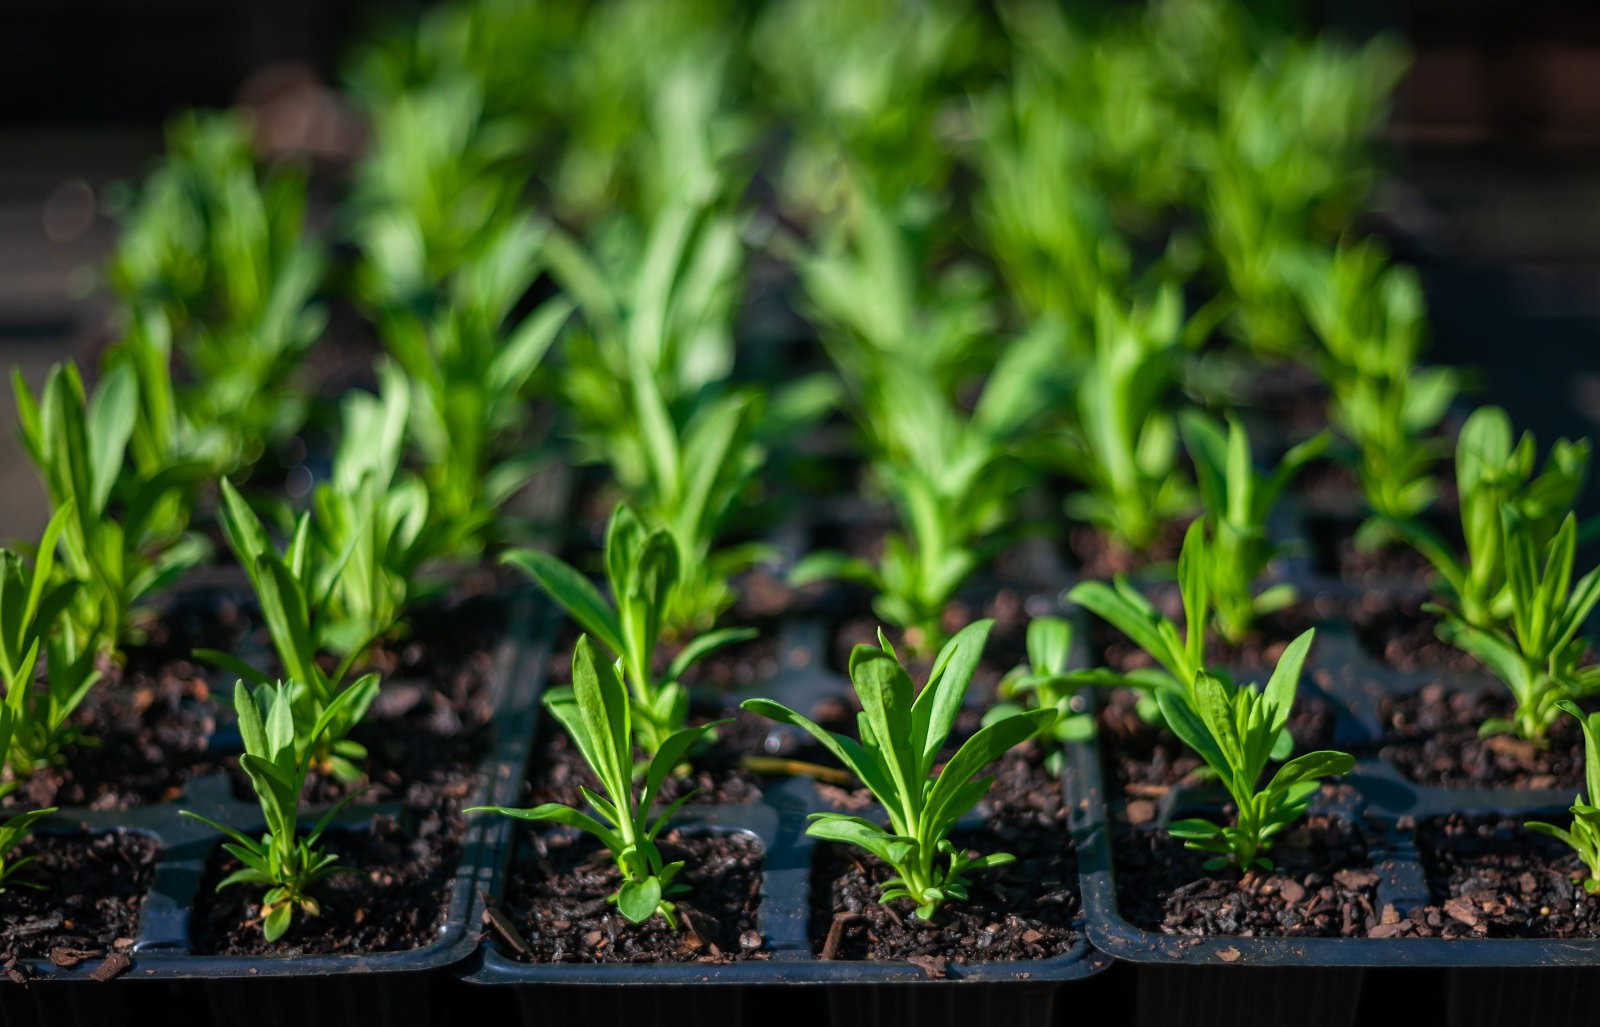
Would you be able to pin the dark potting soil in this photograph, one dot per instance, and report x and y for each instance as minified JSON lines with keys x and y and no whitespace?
{"x":556,"y":900}
{"x":88,"y":906}
{"x":1022,"y":910}
{"x":393,"y":898}
{"x":1490,"y":877}
{"x":1399,"y":632}
{"x":716,"y":774}
{"x":1145,"y":759}
{"x":1097,"y":555}
{"x":1431,"y":736}
{"x":1335,"y":553}
{"x":145,"y":728}
{"x":1321,"y":886}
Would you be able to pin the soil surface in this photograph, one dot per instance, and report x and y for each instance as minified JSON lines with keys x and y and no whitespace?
{"x":1022,"y":910}
{"x":1431,"y":736}
{"x":715,"y":776}
{"x":89,"y":905}
{"x":393,"y":899}
{"x":145,"y":728}
{"x":1321,"y":886}
{"x":1334,"y":552}
{"x":1399,"y":632}
{"x":556,"y":902}
{"x":1490,"y":877}
{"x":1097,"y":555}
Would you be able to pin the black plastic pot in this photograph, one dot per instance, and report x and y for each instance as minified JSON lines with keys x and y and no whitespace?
{"x":378,"y":988}
{"x":1180,"y":980}
{"x":792,"y":981}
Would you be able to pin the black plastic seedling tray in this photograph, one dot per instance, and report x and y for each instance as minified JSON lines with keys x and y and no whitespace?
{"x":380,"y":987}
{"x":1181,"y":979}
{"x":792,"y":978}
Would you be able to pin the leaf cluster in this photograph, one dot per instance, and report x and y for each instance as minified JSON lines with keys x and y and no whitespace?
{"x":1044,"y":682}
{"x":1583,"y":835}
{"x":597,"y":713}
{"x":278,"y":752}
{"x":642,"y":570}
{"x":902,"y":732}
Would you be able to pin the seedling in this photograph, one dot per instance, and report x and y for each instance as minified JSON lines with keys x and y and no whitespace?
{"x":1123,"y":446}
{"x":1584,"y":834}
{"x":901,"y":736}
{"x":14,"y":829}
{"x":1492,"y":473}
{"x":1538,"y":654}
{"x":123,"y":536}
{"x":217,"y":254}
{"x":34,"y":623}
{"x":1235,"y":729}
{"x":277,"y":757}
{"x":293,"y":589}
{"x":1045,"y":680}
{"x":951,"y":476}
{"x":1238,"y":502}
{"x":1369,"y":318}
{"x":470,"y":371}
{"x":597,"y":713}
{"x":642,"y":570}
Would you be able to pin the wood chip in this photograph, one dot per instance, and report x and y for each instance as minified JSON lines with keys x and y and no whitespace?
{"x":1141,"y":811}
{"x":497,"y":919}
{"x":932,"y":967}
{"x":830,"y":945}
{"x":1229,"y":955}
{"x":1398,"y":929}
{"x":114,"y":966}
{"x":1462,"y":910}
{"x":67,"y":958}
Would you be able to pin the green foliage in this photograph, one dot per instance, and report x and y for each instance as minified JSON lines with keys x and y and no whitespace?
{"x":870,"y":88}
{"x":642,"y":569}
{"x":34,"y":622}
{"x":123,"y":539}
{"x":1122,"y":446}
{"x":471,"y":370}
{"x":14,"y":829}
{"x":294,"y":589}
{"x":374,"y":517}
{"x":1539,"y":653}
{"x":1584,"y":834}
{"x":278,"y":750}
{"x":215,"y":265}
{"x":1046,"y":683}
{"x":901,"y":736}
{"x":1492,"y":473}
{"x":1236,"y":730}
{"x":1369,"y":318}
{"x":597,"y":713}
{"x":951,"y":476}
{"x":1238,"y":502}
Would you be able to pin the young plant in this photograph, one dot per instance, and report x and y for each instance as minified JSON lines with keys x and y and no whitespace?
{"x":294,"y":589}
{"x":1492,"y":473}
{"x":951,"y":476}
{"x":642,"y":570}
{"x":1045,"y":680}
{"x":902,"y":732}
{"x":1538,"y":654}
{"x":123,"y":538}
{"x":1238,"y":501}
{"x":277,"y":757}
{"x":1123,"y":446}
{"x":470,"y":370}
{"x":1369,"y":318}
{"x":218,"y":252}
{"x":1236,"y":729}
{"x":14,"y":829}
{"x":597,"y":713}
{"x":373,"y":517}
{"x":1584,"y":834}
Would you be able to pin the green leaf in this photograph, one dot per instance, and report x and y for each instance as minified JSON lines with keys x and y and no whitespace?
{"x":573,"y":592}
{"x":1285,"y":679}
{"x":555,"y":813}
{"x":1313,"y":766}
{"x":701,"y":645}
{"x":933,"y":714}
{"x":638,"y":900}
{"x":894,"y":850}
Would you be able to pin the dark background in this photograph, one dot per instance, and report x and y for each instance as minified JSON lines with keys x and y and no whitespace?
{"x":1492,"y":158}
